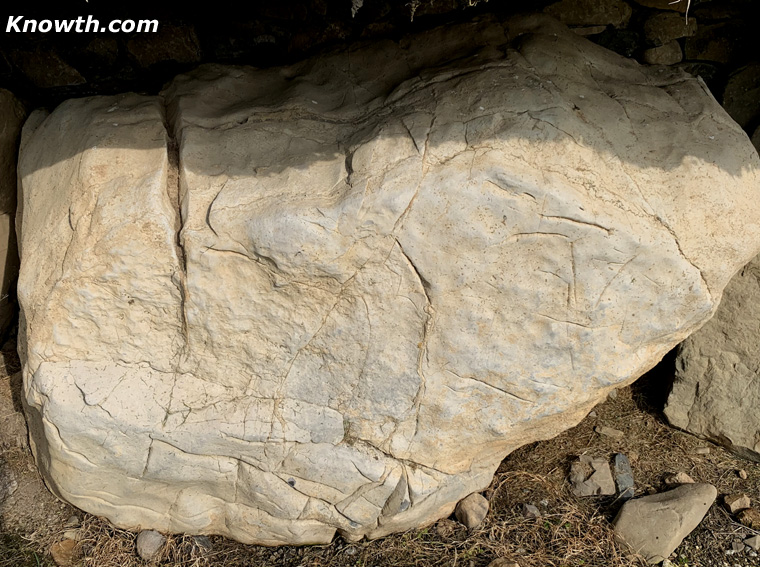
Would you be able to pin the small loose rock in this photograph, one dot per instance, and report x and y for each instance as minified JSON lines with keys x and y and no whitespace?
{"x":702,"y":451}
{"x":203,"y":543}
{"x":678,"y":479}
{"x":737,"y":547}
{"x":64,"y":552}
{"x":609,"y":432}
{"x":742,"y":474}
{"x":591,"y":477}
{"x":530,"y":511}
{"x":753,"y":542}
{"x":149,"y":543}
{"x":623,"y":476}
{"x":736,"y":502}
{"x":750,"y":518}
{"x":472,"y":510}
{"x":72,"y":522}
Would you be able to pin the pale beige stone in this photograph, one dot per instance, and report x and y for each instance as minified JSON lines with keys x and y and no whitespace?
{"x":370,"y":277}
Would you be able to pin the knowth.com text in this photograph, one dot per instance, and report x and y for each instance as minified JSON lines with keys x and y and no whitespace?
{"x":21,"y":24}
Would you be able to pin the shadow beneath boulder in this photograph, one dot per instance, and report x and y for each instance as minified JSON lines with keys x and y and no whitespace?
{"x":650,"y":392}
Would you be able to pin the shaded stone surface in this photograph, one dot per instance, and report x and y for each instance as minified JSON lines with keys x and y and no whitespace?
{"x":716,"y":391}
{"x":662,"y":27}
{"x":591,"y":12}
{"x":668,"y":54}
{"x":269,"y":303}
{"x":12,"y":114}
{"x":741,"y":99}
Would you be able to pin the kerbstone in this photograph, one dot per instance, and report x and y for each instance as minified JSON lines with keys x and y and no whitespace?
{"x":273,"y":304}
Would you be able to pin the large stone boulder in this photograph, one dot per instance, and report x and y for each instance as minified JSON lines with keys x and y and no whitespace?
{"x":12,"y":114}
{"x":716,"y":391}
{"x":273,"y":304}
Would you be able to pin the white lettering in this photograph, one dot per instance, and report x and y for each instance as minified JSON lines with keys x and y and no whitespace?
{"x":13,"y":24}
{"x":150,"y":26}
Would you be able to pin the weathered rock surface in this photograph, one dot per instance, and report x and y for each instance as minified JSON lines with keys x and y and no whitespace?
{"x":663,"y":27}
{"x":740,"y":99}
{"x":591,"y":476}
{"x":716,"y":391}
{"x":472,"y":510}
{"x":736,"y":502}
{"x":12,"y":116}
{"x":371,"y":275}
{"x":623,"y":476}
{"x":149,"y":543}
{"x":668,"y":54}
{"x":591,"y":12}
{"x":655,"y":525}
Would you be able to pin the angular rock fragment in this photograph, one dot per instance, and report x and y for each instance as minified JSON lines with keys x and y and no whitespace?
{"x":655,"y":525}
{"x":678,"y":479}
{"x":753,"y":542}
{"x":623,"y":476}
{"x":530,"y":511}
{"x":276,"y":304}
{"x":609,"y":432}
{"x":736,"y":502}
{"x":591,"y":476}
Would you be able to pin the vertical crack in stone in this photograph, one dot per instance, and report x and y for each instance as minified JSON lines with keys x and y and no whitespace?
{"x":173,"y":191}
{"x":426,"y":329}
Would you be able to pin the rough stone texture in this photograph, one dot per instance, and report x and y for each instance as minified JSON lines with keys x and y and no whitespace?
{"x":623,"y":476}
{"x":609,"y":432}
{"x":591,"y":12}
{"x":750,"y":517}
{"x":64,"y":552}
{"x":393,"y":265}
{"x":663,"y":27}
{"x":740,"y":99}
{"x":149,"y":543}
{"x":753,"y":542}
{"x":12,"y":114}
{"x":591,"y":476}
{"x":678,"y":6}
{"x":170,"y":43}
{"x":46,"y":69}
{"x":712,"y":43}
{"x":678,"y":478}
{"x":472,"y":510}
{"x":668,"y":54}
{"x":736,"y":502}
{"x":716,"y":391}
{"x":655,"y":525}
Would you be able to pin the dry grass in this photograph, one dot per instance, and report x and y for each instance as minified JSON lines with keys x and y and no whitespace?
{"x":571,"y":532}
